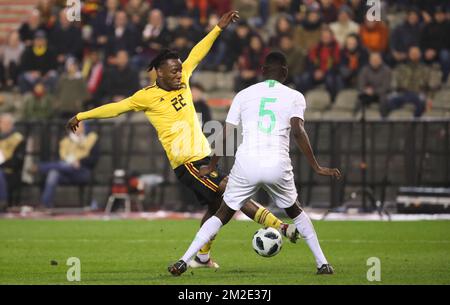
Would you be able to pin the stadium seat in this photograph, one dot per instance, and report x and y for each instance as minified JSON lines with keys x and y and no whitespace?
{"x":221,"y":94}
{"x":206,"y":78}
{"x":312,"y":114}
{"x":442,"y":100}
{"x":338,"y":114}
{"x":318,"y":100}
{"x":346,"y":100}
{"x":437,"y":114}
{"x":371,"y":114}
{"x":225,"y":81}
{"x":403,"y":113}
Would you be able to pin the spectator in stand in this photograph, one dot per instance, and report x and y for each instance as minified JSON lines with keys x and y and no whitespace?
{"x":374,"y":36}
{"x":8,"y":103}
{"x":78,"y":155}
{"x":250,"y":63}
{"x":65,"y":38}
{"x":248,"y":10}
{"x":215,"y":60}
{"x":359,"y":9}
{"x":29,"y":28}
{"x":405,"y":35}
{"x":237,"y":42}
{"x":38,"y":105}
{"x":323,"y":65}
{"x":10,"y":141}
{"x":187,"y":28}
{"x":71,"y":91}
{"x":353,"y":58}
{"x":374,"y":82}
{"x":181,"y":45}
{"x":220,"y":7}
{"x":137,"y":11}
{"x":283,"y":26}
{"x":308,"y":34}
{"x":276,"y":9}
{"x":434,"y":41}
{"x":155,"y":35}
{"x":170,"y":8}
{"x":38,"y":65}
{"x":10,"y":55}
{"x":328,"y":11}
{"x":122,"y":36}
{"x":344,"y":26}
{"x":92,"y":72}
{"x":48,"y":11}
{"x":120,"y":80}
{"x":200,"y":104}
{"x":415,"y":83}
{"x":198,"y":10}
{"x":104,"y":22}
{"x":295,"y":59}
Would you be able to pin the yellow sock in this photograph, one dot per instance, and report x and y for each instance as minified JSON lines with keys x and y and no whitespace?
{"x":264,"y":217}
{"x":203,"y":254}
{"x":206,"y":248}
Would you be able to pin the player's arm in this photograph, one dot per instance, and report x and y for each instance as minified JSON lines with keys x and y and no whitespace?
{"x":202,"y":48}
{"x":110,"y":110}
{"x":302,"y":140}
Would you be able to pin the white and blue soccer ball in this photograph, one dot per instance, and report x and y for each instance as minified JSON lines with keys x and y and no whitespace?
{"x":267,"y":242}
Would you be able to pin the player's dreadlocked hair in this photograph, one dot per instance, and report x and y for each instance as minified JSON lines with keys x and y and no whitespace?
{"x":161,"y":58}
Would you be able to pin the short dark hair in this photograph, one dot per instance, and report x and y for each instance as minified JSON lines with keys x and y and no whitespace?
{"x":275,"y":59}
{"x":161,"y":58}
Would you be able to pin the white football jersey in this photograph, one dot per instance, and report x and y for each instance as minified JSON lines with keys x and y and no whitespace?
{"x":265,"y":110}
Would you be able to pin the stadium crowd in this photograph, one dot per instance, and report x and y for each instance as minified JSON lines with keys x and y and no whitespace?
{"x":59,"y":67}
{"x":62,"y":67}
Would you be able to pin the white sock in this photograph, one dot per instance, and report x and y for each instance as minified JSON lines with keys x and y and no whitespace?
{"x":203,"y":257}
{"x":206,"y":232}
{"x":307,"y":232}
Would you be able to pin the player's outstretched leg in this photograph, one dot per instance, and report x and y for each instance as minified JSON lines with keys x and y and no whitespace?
{"x":203,"y":259}
{"x":264,"y":217}
{"x":209,"y":229}
{"x":307,"y":232}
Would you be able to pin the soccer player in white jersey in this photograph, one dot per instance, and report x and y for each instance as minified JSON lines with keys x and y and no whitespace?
{"x":268,"y":112}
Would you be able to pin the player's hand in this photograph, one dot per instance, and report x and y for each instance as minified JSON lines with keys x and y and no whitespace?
{"x":325,"y":171}
{"x":227,"y":18}
{"x":72,"y":124}
{"x":205,"y":170}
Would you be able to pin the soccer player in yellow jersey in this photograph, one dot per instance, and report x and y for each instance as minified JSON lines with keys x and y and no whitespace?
{"x":168,"y":106}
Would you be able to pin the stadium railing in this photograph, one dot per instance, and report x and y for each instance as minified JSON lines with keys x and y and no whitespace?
{"x":413,"y":152}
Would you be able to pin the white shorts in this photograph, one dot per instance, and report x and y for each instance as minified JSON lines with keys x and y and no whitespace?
{"x":244,"y":182}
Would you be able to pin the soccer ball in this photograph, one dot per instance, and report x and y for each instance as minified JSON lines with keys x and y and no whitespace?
{"x":267,"y":242}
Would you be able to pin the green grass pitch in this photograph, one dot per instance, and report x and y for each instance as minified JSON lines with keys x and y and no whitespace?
{"x":138,"y":252}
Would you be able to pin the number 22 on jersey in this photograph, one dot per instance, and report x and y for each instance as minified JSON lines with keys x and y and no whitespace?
{"x":263,"y":112}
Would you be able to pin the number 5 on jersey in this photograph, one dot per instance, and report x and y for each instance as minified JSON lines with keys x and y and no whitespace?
{"x":263,"y":112}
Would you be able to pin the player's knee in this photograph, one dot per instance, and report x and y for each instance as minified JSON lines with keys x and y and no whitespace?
{"x":225,"y":213}
{"x":294,"y":210}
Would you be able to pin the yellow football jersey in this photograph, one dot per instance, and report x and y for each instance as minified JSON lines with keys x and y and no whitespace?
{"x":172,"y":113}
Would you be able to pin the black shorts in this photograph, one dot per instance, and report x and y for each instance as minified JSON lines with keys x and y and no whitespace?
{"x":206,"y":188}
